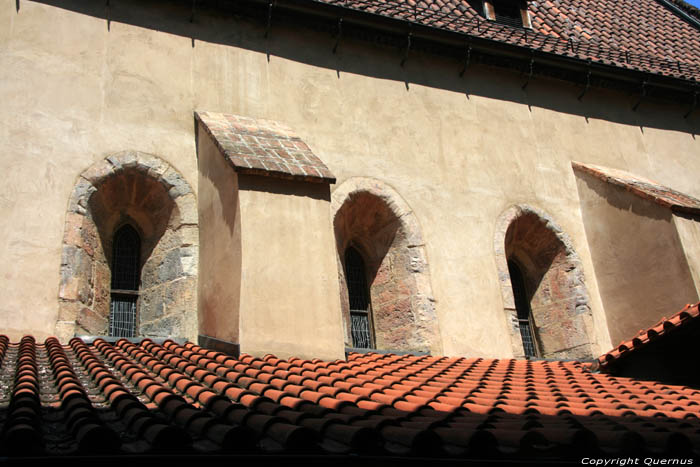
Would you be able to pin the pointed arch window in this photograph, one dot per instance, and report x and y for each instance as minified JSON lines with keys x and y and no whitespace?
{"x":358,"y":297}
{"x":522,"y":306}
{"x":125,"y":282}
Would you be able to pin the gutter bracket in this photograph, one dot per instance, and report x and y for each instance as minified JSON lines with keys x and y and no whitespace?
{"x":339,"y":34}
{"x":588,"y":81}
{"x":641,"y":98}
{"x":529,"y":76}
{"x":524,"y":36}
{"x":408,"y":48}
{"x":269,"y":18}
{"x":466,"y":60}
{"x":696,"y":93}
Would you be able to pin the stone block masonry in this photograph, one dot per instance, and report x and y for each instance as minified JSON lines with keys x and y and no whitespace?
{"x":146,"y":192}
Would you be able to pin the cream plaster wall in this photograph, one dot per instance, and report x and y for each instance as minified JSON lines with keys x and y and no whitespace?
{"x":638,"y":256}
{"x":459,"y":150}
{"x":220,"y":243}
{"x":289,"y":294}
{"x":688,"y":228}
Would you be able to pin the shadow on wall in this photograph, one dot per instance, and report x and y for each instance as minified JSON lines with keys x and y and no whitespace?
{"x":317,"y":191}
{"x":372,"y":218}
{"x":624,"y":201}
{"x":316,"y":49}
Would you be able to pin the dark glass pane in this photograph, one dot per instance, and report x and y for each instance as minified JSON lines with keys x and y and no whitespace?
{"x":356,"y":280}
{"x":508,"y":12}
{"x":522,"y":305}
{"x":125,"y":259}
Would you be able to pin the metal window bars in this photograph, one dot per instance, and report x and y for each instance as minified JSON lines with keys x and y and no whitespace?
{"x":358,"y":296}
{"x":360,"y":329}
{"x":527,"y":337}
{"x":125,"y":282}
{"x":522,"y":307}
{"x":122,"y":315}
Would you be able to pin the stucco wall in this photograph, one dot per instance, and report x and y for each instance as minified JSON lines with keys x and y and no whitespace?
{"x":638,"y":257}
{"x":290,"y":301}
{"x":220,"y":246}
{"x":76,"y":87}
{"x":688,"y":228}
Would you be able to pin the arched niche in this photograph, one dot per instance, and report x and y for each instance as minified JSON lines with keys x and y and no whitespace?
{"x":148,"y":194}
{"x":553,"y":281}
{"x":371,"y":217}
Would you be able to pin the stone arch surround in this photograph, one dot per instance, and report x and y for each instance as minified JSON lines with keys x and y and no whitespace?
{"x":149,"y":194}
{"x":370,"y":215}
{"x":555,"y":279}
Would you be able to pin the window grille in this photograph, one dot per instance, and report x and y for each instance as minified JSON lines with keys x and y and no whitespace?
{"x":122,"y":315}
{"x":522,"y":305}
{"x":358,"y":296}
{"x":125,"y":282}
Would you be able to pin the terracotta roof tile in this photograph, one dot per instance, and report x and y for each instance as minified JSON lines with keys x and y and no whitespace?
{"x":142,"y":398}
{"x":633,"y":34}
{"x":690,"y":313}
{"x":263,"y":147}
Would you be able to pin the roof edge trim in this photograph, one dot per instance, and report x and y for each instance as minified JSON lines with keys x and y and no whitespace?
{"x":682,"y":14}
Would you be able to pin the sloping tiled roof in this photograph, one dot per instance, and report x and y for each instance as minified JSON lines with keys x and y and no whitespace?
{"x":138,"y":399}
{"x":687,"y":8}
{"x":667,"y":197}
{"x":633,"y":34}
{"x":690,"y":313}
{"x":263,"y":147}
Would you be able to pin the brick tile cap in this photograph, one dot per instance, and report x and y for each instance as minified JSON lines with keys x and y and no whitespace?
{"x":263,"y":147}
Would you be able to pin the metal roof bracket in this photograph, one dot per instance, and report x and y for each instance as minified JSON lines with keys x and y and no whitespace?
{"x":269,"y":17}
{"x":338,"y":34}
{"x":588,"y":81}
{"x":408,"y":47}
{"x":467,"y":59}
{"x":696,"y":93}
{"x":641,"y":98}
{"x":529,"y":76}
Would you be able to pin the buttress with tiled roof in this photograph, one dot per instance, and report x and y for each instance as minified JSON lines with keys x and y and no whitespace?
{"x":147,"y":398}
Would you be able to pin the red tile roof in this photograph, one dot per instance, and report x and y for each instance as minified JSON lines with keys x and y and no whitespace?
{"x":633,"y":34}
{"x":138,"y":399}
{"x":263,"y":147}
{"x":668,"y":197}
{"x":662,"y":329}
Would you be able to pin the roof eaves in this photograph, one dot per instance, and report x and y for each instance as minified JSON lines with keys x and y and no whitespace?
{"x":630,"y":72}
{"x":681,"y":12}
{"x":662,"y":329}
